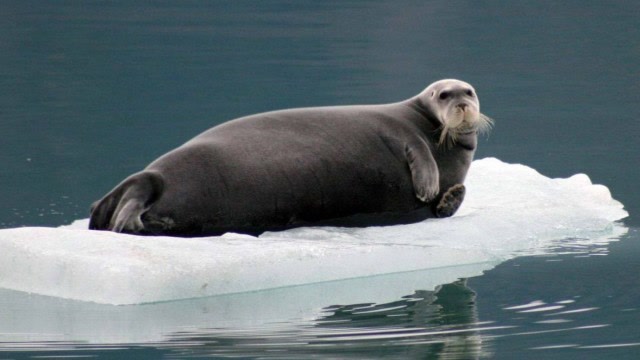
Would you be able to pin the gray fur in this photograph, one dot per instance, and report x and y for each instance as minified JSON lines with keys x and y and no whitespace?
{"x":346,"y":165}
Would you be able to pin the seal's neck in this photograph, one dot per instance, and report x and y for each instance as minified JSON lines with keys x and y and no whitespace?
{"x":424,"y":119}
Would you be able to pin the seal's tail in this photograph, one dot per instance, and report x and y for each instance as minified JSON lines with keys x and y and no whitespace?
{"x":122,"y":208}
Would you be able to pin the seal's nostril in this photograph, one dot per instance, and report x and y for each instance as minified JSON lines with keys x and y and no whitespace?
{"x":462,"y":106}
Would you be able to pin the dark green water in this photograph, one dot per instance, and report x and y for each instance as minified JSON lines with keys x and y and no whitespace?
{"x":92,"y":91}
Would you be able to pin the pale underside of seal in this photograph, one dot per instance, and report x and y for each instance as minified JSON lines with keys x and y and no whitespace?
{"x":355,"y":165}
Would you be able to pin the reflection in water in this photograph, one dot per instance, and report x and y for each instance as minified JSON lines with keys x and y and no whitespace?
{"x":451,"y":322}
{"x":439,"y":324}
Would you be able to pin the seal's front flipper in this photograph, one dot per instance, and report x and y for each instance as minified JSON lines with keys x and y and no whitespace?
{"x":451,"y":201}
{"x":122,"y":208}
{"x":424,"y":171}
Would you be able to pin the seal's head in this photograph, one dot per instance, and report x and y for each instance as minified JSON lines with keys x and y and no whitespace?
{"x":455,"y":105}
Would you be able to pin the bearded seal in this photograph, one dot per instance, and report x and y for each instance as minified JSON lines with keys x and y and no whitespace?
{"x":355,"y":165}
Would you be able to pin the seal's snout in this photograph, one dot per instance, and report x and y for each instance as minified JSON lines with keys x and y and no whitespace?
{"x":464,"y":113}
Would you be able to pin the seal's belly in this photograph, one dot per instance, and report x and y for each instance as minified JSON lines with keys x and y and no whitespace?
{"x":273,"y":191}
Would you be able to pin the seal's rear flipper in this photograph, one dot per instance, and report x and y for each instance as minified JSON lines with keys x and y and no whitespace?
{"x":121,"y":209}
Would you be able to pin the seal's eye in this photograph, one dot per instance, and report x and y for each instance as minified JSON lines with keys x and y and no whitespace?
{"x":444,"y":95}
{"x":469,"y":93}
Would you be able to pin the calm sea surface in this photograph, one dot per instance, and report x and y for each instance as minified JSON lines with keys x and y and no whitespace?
{"x":93,"y":91}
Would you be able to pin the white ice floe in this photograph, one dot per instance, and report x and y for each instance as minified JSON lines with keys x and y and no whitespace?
{"x":509,"y":210}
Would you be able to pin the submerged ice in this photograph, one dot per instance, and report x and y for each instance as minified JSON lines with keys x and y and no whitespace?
{"x":509,"y":210}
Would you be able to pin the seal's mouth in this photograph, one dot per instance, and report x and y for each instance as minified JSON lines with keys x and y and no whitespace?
{"x":464,"y":122}
{"x":466,"y":132}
